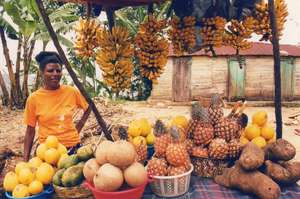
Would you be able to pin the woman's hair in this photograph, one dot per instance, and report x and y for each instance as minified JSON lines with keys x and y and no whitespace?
{"x":46,"y":57}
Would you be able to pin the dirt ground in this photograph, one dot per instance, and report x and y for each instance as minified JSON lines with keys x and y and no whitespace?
{"x":12,"y":128}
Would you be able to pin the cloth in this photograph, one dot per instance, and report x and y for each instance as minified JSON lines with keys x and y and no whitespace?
{"x":53,"y":111}
{"x":205,"y":188}
{"x":72,"y":150}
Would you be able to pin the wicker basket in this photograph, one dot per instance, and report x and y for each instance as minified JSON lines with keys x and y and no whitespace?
{"x":171,"y":186}
{"x":209,"y":168}
{"x":72,"y":192}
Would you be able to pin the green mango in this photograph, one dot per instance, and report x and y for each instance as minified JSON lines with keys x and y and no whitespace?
{"x":85,"y":153}
{"x":68,"y":162}
{"x":57,"y":177}
{"x":72,"y":176}
{"x":81,"y":164}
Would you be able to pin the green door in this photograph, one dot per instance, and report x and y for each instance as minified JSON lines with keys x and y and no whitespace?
{"x":236,"y":79}
{"x":287,"y":78}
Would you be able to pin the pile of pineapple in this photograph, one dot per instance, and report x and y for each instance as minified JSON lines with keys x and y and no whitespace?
{"x":260,"y":132}
{"x":29,"y":178}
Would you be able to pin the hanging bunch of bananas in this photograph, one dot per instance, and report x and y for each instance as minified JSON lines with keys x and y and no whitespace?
{"x":212,"y":31}
{"x":152,"y":48}
{"x":183,"y":34}
{"x":115,"y":58}
{"x":87,"y":31}
{"x":262,"y":19}
{"x":237,"y":33}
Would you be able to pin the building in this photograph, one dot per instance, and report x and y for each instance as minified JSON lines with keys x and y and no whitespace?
{"x":198,"y":75}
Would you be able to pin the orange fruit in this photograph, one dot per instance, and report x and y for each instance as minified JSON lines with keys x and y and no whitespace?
{"x":40,"y":151}
{"x":134,"y":128}
{"x":35,"y":162}
{"x":35,"y":187}
{"x":20,"y":191}
{"x":25,"y":176}
{"x":252,"y":131}
{"x":10,"y":181}
{"x":62,"y":149}
{"x":267,"y":132}
{"x":244,"y":140}
{"x":259,"y":141}
{"x":273,"y":139}
{"x":44,"y":173}
{"x":52,"y":156}
{"x":145,"y":127}
{"x":138,"y":140}
{"x":52,"y":142}
{"x":150,"y":138}
{"x":260,"y":118}
{"x":20,"y":166}
{"x":179,"y":121}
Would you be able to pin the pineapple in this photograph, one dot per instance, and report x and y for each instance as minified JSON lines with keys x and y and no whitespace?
{"x":200,"y":127}
{"x":206,"y":167}
{"x":157,"y":167}
{"x":234,"y":149}
{"x":174,"y":171}
{"x":199,"y":152}
{"x":162,"y":139}
{"x":176,"y":153}
{"x":218,"y":149}
{"x":215,"y":110}
{"x":141,"y":151}
{"x":189,"y":145}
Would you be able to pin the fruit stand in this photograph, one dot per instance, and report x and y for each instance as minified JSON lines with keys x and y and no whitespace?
{"x":208,"y":155}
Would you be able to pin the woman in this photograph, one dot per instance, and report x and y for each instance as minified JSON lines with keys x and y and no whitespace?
{"x":52,"y":106}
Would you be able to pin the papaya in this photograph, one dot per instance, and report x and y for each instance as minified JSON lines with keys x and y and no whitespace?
{"x":68,"y":162}
{"x":72,"y":176}
{"x":57,"y":177}
{"x":85,"y":153}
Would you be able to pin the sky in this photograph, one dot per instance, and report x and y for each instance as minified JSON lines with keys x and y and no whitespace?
{"x":291,"y":34}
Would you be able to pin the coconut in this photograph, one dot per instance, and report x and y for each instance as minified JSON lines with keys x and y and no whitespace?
{"x":135,"y":175}
{"x":90,"y":168}
{"x":108,"y":178}
{"x":121,"y":154}
{"x":101,"y":152}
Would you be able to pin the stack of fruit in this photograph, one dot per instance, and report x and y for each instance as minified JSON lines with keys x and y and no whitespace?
{"x":142,"y":137}
{"x":30,"y":177}
{"x":114,"y":163}
{"x":69,"y":173}
{"x":171,"y":157}
{"x":259,"y":132}
{"x":213,"y":138}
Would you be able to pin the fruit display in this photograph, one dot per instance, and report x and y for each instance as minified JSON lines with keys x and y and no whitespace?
{"x":171,"y":157}
{"x":114,"y":166}
{"x":256,"y":173}
{"x":182,"y":34}
{"x":152,"y":48}
{"x":259,"y":131}
{"x":70,"y":168}
{"x":29,"y":178}
{"x":87,"y":32}
{"x":115,"y":57}
{"x":262,"y":19}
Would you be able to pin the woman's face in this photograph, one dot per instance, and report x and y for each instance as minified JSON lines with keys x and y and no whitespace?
{"x":52,"y":75}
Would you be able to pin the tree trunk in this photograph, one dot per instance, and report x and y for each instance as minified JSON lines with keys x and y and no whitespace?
{"x":277,"y":73}
{"x":9,"y":66}
{"x":17,"y":74}
{"x":5,"y":94}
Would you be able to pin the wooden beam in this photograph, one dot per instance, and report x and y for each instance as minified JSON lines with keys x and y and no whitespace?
{"x":65,"y":61}
{"x":277,"y":73}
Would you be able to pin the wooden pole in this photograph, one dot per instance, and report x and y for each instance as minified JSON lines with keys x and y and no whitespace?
{"x":111,"y":18}
{"x":53,"y":35}
{"x":277,"y":73}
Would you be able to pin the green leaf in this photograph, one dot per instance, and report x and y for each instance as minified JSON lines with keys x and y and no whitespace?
{"x":66,"y":42}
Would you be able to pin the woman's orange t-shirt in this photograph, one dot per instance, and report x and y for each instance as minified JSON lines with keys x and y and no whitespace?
{"x":53,"y":110}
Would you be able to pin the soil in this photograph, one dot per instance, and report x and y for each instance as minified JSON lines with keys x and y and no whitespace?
{"x":12,"y":129}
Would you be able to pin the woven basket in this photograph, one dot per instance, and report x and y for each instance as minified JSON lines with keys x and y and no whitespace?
{"x":72,"y":192}
{"x":209,"y":168}
{"x":171,"y":186}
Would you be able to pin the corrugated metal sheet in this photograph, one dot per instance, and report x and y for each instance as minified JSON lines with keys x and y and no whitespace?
{"x":258,"y":49}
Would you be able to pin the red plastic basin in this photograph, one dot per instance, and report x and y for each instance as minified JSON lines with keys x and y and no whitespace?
{"x":131,"y":193}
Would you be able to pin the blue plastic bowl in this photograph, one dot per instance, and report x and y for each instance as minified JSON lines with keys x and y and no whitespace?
{"x":48,"y":191}
{"x":150,"y":151}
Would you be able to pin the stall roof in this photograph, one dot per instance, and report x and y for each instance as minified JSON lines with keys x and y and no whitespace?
{"x":117,"y":3}
{"x":258,"y":49}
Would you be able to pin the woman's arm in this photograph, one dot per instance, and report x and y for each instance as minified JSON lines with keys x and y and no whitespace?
{"x":29,"y":136}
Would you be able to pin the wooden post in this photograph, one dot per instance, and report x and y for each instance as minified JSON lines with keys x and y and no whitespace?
{"x":110,"y":14}
{"x":277,"y":73}
{"x":53,"y":35}
{"x":181,"y":80}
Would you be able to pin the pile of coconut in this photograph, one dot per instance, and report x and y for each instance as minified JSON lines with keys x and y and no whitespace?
{"x":115,"y":167}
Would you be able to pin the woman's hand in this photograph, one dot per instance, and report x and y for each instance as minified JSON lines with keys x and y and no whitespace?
{"x":29,"y":136}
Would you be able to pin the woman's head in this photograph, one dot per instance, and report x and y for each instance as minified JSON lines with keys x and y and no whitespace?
{"x":50,"y":66}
